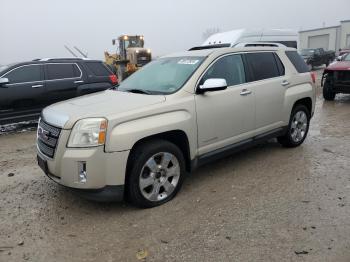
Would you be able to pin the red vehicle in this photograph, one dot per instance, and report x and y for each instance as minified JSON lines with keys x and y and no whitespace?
{"x":336,"y":78}
{"x":344,"y":51}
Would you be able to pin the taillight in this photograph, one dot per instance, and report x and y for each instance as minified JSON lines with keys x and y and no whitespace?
{"x":313,"y":77}
{"x":114,"y":79}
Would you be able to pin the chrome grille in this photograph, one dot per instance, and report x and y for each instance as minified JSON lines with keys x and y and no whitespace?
{"x":47,"y":138}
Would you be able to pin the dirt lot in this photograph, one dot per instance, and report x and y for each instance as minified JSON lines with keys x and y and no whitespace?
{"x":264,"y":204}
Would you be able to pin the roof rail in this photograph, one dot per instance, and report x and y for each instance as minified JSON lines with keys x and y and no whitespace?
{"x":209,"y":47}
{"x":255,"y":44}
{"x":62,"y":59}
{"x":247,"y":44}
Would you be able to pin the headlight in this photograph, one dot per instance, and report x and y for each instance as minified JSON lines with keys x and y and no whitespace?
{"x":149,"y":51}
{"x":88,"y":132}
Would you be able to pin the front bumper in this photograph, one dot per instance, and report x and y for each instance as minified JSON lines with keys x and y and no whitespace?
{"x":105,"y":172}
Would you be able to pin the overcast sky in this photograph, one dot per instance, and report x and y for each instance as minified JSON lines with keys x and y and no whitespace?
{"x":40,"y":28}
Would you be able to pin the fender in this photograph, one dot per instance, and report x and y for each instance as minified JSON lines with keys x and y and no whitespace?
{"x":125,"y":135}
{"x":294,"y":94}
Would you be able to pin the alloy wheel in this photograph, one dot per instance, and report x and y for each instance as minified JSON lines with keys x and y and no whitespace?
{"x":159,"y":176}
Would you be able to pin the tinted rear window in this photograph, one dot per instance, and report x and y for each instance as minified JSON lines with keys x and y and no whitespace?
{"x":98,"y":69}
{"x":297,"y":61}
{"x":263,"y":66}
{"x":62,"y":71}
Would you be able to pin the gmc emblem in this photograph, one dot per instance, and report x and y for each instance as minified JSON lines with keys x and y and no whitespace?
{"x":43,"y":134}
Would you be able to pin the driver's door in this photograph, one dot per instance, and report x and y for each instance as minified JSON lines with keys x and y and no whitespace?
{"x":228,"y":116}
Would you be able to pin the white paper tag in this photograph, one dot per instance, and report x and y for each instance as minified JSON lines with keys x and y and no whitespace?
{"x":188,"y":62}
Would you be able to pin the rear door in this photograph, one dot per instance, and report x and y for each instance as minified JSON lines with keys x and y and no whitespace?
{"x":62,"y":81}
{"x":266,"y":74}
{"x":25,"y":89}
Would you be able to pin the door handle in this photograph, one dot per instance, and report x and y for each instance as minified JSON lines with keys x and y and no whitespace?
{"x":245,"y":92}
{"x":285,"y":83}
{"x":78,"y":82}
{"x":37,"y":86}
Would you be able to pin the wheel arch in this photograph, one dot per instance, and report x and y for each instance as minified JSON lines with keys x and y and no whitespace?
{"x":306,"y":101}
{"x":177,"y":137}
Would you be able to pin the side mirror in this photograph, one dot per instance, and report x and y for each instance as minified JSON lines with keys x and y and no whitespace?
{"x":339,"y":58}
{"x":213,"y":84}
{"x":4,"y":81}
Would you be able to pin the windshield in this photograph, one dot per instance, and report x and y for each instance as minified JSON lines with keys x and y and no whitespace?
{"x":346,"y":57}
{"x":163,"y":76}
{"x":306,"y":52}
{"x":133,"y":42}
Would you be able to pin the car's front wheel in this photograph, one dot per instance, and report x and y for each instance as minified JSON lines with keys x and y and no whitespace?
{"x":298,"y":127}
{"x":155,"y":174}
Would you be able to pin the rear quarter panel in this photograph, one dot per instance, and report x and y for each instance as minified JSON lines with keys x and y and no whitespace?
{"x":301,"y":86}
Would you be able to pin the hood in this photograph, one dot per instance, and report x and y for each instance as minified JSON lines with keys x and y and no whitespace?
{"x":65,"y":114}
{"x":339,"y":65}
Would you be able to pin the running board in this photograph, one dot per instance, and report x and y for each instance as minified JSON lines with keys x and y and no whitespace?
{"x":234,"y":148}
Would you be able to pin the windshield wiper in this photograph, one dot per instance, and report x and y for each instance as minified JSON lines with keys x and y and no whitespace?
{"x":138,"y":91}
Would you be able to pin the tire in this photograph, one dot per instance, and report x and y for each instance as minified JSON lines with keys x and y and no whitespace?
{"x":298,"y":127}
{"x":149,"y":182}
{"x":328,"y":93}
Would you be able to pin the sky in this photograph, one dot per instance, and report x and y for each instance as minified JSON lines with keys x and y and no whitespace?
{"x":40,"y":28}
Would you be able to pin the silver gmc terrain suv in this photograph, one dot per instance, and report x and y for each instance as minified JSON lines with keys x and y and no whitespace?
{"x":139,"y":141}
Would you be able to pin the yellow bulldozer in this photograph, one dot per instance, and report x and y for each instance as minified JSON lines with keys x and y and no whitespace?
{"x":131,"y":55}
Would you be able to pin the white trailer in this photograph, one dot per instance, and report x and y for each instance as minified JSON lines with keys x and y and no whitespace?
{"x":286,"y":37}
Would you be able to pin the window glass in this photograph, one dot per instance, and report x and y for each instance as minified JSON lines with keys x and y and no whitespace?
{"x":347,"y":57}
{"x":24,"y":74}
{"x":163,"y":76}
{"x":297,"y":61}
{"x":230,"y":68}
{"x":262,"y":66}
{"x":98,"y":69}
{"x":61,"y":71}
{"x":280,"y":65}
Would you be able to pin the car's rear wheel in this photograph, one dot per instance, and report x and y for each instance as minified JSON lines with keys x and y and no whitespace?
{"x":298,"y":127}
{"x":328,"y":93}
{"x":156,"y":173}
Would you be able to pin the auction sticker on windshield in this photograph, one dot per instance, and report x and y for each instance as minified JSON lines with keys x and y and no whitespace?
{"x":188,"y":62}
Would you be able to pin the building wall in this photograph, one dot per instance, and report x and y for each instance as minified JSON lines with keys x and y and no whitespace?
{"x":331,"y":31}
{"x":345,"y":34}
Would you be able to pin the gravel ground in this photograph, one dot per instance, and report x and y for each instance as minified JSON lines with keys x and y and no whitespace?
{"x":263,"y":204}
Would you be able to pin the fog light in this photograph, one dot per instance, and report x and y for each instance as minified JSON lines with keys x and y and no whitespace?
{"x":82,"y":174}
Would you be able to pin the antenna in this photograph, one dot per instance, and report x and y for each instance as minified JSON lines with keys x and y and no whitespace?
{"x":70,"y":51}
{"x":80,"y":52}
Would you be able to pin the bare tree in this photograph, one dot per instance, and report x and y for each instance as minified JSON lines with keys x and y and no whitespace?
{"x":209,"y":32}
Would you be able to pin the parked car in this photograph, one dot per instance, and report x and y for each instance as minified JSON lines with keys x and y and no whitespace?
{"x":29,"y":86}
{"x":336,"y":78}
{"x":317,"y":57}
{"x":175,"y":114}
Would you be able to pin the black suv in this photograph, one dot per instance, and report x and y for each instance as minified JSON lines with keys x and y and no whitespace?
{"x":26,"y":88}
